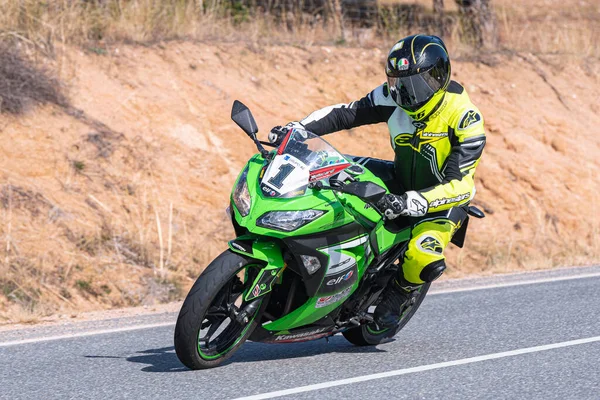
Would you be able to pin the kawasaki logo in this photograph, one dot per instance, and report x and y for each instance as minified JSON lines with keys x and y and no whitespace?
{"x":300,"y":335}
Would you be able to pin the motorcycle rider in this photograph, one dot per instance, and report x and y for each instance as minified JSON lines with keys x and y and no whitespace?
{"x":438,"y":137}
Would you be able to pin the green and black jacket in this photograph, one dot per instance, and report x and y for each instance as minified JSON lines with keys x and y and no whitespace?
{"x":436,"y":156}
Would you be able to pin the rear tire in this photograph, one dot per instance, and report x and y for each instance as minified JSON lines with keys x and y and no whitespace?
{"x":212,"y":290}
{"x":369,"y":334}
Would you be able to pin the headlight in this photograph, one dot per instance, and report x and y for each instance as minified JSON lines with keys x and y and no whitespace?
{"x":288,"y":220}
{"x":241,"y":196}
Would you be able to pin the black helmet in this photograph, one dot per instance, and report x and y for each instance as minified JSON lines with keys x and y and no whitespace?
{"x":418,"y":70}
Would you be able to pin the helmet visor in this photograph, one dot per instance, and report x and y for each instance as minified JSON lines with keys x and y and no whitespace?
{"x":414,"y":91}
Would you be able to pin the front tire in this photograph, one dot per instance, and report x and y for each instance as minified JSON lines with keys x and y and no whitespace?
{"x":207,"y":332}
{"x":370,"y":334}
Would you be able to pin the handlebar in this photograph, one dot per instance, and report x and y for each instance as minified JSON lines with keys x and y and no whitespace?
{"x":337,"y":186}
{"x":269,"y":144}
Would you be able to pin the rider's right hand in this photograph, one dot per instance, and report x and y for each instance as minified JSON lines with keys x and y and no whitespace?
{"x":278,"y":133}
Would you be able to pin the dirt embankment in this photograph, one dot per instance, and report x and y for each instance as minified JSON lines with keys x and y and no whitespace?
{"x":121,"y":203}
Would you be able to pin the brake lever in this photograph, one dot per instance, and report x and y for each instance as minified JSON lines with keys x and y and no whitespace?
{"x":336,"y":183}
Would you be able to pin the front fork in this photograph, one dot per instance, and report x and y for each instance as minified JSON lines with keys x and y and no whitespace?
{"x":262,"y":250}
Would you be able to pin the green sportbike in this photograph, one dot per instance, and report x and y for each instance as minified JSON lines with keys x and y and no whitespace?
{"x":311,"y":258}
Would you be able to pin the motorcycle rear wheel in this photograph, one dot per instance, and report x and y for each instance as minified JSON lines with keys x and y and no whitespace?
{"x":370,"y":334}
{"x":207,"y":332}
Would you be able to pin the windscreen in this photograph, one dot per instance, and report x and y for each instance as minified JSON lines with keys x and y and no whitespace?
{"x":302,"y":158}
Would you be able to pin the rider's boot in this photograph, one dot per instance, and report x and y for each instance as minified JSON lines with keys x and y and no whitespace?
{"x":394,"y":297}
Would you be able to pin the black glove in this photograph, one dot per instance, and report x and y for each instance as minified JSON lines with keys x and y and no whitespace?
{"x":392,"y":205}
{"x":278,"y":133}
{"x":410,"y":204}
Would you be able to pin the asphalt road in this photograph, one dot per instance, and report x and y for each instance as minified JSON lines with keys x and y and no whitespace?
{"x":523,"y":336}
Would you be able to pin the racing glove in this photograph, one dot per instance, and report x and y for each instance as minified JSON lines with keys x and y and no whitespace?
{"x":278,"y":133}
{"x":410,"y":204}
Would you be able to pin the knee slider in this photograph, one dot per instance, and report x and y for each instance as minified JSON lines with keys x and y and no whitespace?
{"x":432,"y":271}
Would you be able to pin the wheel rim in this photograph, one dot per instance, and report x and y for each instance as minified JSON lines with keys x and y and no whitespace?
{"x":374,"y":329}
{"x":220,"y":329}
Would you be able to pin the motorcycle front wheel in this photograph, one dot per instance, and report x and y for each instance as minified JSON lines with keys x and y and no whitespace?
{"x":212,"y":323}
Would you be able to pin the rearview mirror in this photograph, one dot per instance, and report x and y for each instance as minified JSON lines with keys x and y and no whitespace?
{"x":365,"y":190}
{"x":241,"y":115}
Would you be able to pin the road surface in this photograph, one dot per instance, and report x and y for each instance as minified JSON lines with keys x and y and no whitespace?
{"x":521,"y":336}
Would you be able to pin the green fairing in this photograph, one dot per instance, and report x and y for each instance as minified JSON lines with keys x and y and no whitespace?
{"x":270,"y":273}
{"x":385,"y":239}
{"x":326,"y":200}
{"x":339,"y":210}
{"x":264,"y":250}
{"x":308,"y":312}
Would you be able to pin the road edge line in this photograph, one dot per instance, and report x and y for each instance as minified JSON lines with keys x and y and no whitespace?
{"x":509,"y":284}
{"x":422,"y":368}
{"x":84,"y":334}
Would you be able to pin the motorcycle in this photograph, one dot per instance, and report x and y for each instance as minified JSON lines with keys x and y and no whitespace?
{"x":311,"y":258}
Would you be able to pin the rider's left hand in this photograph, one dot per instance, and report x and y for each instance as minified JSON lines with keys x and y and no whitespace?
{"x":410,"y":204}
{"x":392,"y":205}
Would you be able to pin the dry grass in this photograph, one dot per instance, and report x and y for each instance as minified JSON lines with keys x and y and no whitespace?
{"x":130,"y":248}
{"x":97,"y":24}
{"x":22,"y":82}
{"x":106,"y":234}
{"x":144,"y":21}
{"x":574,"y":32}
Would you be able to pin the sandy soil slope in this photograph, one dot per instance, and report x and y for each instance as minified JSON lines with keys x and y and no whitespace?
{"x":120,"y":200}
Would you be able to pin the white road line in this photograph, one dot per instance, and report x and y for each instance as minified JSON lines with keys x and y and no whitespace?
{"x":518,"y":283}
{"x":388,"y":374}
{"x":83,"y":334}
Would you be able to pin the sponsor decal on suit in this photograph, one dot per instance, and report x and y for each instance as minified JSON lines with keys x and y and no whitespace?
{"x":442,"y":201}
{"x":469,"y":118}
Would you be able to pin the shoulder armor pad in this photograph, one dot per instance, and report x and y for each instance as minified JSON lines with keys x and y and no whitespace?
{"x":381,"y":96}
{"x":455,"y":87}
{"x":468,"y":119}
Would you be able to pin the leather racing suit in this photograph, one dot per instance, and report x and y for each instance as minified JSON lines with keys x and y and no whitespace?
{"x":435,"y":156}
